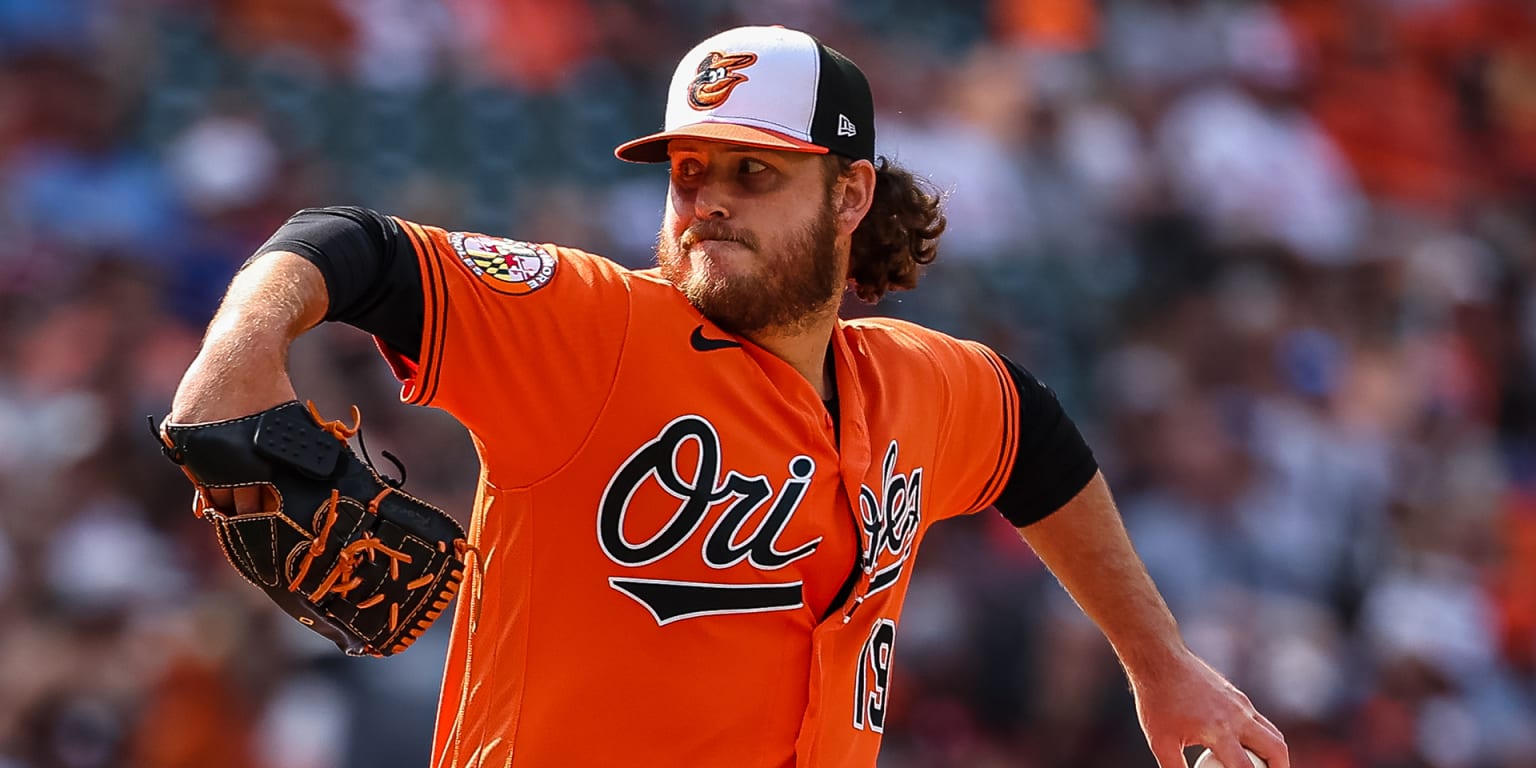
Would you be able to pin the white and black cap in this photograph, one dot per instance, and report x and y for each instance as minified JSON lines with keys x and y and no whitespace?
{"x":767,"y":87}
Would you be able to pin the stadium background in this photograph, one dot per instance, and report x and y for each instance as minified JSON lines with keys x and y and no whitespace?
{"x":1279,"y":259}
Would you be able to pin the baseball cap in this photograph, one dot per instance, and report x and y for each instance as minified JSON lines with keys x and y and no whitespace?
{"x":767,"y":87}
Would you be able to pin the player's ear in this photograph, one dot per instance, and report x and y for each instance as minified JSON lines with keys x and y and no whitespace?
{"x":854,"y":193}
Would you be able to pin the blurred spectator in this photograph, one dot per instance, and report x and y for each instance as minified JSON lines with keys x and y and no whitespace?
{"x":318,"y":29}
{"x":74,"y":187}
{"x":536,"y":46}
{"x":27,"y":25}
{"x":966,"y":142}
{"x":1245,"y":157}
{"x":401,"y":42}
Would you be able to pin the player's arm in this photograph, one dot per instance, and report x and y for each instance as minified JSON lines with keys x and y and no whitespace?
{"x":346,"y":264}
{"x":1062,"y":507}
{"x":1181,"y":701}
{"x":323,"y":264}
{"x":242,"y":366}
{"x":370,"y":269}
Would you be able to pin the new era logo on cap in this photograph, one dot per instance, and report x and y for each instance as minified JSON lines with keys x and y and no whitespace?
{"x":766,"y":87}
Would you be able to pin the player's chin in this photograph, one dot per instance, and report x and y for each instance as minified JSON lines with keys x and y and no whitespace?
{"x":732,"y":306}
{"x":731,"y":315}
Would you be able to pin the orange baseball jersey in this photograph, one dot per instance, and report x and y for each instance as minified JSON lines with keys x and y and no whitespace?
{"x":668,"y":517}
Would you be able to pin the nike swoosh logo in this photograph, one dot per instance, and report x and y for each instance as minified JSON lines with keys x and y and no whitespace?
{"x":704,"y":344}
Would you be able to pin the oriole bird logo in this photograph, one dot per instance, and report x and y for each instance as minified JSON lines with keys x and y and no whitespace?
{"x":718,"y":75}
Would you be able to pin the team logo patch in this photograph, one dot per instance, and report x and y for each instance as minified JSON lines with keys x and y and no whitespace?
{"x":718,"y":76}
{"x":506,"y":266}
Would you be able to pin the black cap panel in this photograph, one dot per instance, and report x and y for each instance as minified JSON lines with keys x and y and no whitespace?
{"x":844,"y":120}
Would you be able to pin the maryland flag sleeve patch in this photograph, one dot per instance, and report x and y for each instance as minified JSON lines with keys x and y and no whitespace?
{"x":506,"y":266}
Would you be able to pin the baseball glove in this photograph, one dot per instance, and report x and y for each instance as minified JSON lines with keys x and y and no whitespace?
{"x":336,"y":545}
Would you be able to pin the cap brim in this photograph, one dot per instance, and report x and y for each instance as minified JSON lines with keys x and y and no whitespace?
{"x":653,"y":148}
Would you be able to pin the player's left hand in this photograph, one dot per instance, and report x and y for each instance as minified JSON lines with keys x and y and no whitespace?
{"x":1186,"y":703}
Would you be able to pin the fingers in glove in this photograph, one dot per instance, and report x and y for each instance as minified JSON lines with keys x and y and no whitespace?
{"x":222,"y":499}
{"x":248,"y":500}
{"x":240,"y":501}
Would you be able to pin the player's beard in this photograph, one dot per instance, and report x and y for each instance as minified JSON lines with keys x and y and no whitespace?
{"x":789,"y":287}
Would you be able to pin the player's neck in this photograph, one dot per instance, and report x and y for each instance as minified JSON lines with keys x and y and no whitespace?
{"x":805,"y":349}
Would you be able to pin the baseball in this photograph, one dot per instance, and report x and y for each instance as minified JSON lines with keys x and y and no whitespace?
{"x":1208,"y":759}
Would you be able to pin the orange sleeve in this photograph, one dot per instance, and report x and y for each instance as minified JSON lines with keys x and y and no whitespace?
{"x":520,"y":342}
{"x":980,"y":434}
{"x":960,"y":395}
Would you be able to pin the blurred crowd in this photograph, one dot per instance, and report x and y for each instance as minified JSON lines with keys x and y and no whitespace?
{"x":1277,"y":258}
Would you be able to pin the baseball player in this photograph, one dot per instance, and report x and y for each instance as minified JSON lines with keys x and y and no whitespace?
{"x":701,"y":491}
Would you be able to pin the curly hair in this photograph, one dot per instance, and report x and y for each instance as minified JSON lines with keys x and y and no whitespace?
{"x":899,"y":235}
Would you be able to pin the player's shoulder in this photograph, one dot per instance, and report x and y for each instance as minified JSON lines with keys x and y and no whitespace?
{"x":587,"y":260}
{"x":595,"y":263}
{"x":899,"y":335}
{"x":646,"y":288}
{"x":912,"y":357}
{"x":511,"y":265}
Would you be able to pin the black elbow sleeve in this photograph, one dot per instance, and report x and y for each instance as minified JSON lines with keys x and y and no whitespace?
{"x":1053,"y":462}
{"x":372,"y":276}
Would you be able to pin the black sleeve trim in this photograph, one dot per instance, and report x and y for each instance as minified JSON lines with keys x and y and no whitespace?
{"x":370,"y":268}
{"x":1008,"y":446}
{"x":436,"y":322}
{"x":1053,"y":462}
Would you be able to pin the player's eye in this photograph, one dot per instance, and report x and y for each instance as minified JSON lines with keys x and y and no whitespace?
{"x":687,"y":169}
{"x":750,"y":166}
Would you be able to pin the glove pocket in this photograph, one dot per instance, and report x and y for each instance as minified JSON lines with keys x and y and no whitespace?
{"x":252,"y":544}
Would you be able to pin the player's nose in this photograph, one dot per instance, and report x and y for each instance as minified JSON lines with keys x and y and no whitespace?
{"x":711,"y":201}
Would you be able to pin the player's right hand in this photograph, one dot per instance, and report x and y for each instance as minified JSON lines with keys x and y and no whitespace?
{"x":217,"y":387}
{"x":241,"y":368}
{"x":1188,"y":703}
